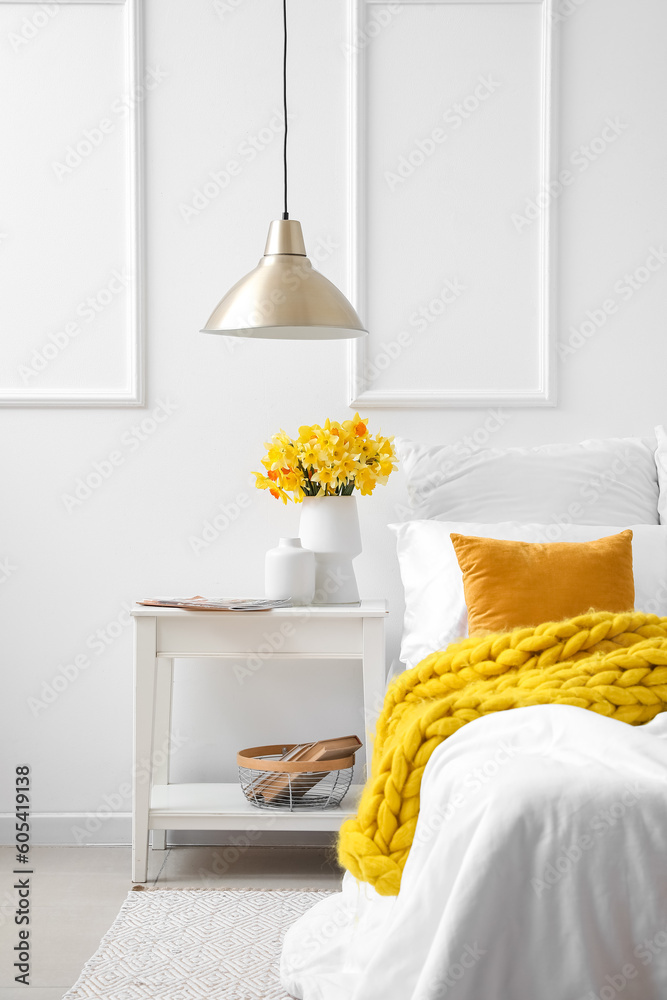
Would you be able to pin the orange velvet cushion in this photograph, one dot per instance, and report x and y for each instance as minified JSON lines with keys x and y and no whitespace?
{"x":510,"y":584}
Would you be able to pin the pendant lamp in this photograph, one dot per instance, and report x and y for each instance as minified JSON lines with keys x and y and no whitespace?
{"x":284,"y":297}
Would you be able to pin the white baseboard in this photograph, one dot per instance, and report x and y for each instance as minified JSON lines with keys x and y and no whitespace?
{"x":71,"y":829}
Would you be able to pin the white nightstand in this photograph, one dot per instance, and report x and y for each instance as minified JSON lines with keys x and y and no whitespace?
{"x":347,"y":632}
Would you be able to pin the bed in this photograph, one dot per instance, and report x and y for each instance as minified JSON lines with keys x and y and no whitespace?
{"x":535,"y":868}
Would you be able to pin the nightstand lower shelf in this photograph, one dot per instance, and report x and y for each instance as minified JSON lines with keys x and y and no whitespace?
{"x":214,"y":806}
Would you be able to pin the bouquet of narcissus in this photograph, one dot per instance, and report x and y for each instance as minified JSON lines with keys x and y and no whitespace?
{"x":332,"y":460}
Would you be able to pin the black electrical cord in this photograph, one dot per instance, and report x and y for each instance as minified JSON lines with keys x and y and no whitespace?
{"x":285,"y":213}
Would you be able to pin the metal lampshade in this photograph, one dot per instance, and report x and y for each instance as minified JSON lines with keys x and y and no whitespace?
{"x":284,"y":297}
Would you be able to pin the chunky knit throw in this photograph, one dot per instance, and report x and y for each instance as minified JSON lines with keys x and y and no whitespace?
{"x":614,"y":664}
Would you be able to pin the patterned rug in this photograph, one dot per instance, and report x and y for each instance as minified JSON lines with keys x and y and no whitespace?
{"x":187,"y":944}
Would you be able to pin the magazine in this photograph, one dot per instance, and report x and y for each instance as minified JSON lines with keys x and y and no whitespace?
{"x":215,"y":603}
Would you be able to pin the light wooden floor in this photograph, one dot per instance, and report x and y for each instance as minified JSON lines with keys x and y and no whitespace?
{"x":77,"y":892}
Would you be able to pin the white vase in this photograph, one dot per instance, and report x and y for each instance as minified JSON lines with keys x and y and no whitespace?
{"x":289,"y":572}
{"x":330,"y":528}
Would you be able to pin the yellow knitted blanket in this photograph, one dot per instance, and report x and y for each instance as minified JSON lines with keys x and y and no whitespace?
{"x":614,"y":664}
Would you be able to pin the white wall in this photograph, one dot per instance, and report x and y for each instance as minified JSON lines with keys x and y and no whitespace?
{"x":71,"y":573}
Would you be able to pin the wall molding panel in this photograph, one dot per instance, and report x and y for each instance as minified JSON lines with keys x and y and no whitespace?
{"x":75,"y":381}
{"x":398,"y":365}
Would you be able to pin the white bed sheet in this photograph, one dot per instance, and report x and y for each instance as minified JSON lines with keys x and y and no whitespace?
{"x":538,"y":872}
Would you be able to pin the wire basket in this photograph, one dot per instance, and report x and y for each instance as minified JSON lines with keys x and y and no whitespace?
{"x":271,"y":783}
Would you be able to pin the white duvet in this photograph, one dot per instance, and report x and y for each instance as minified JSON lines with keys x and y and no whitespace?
{"x":538,"y":872}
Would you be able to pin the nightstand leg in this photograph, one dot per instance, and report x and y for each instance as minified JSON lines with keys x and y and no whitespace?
{"x":159,"y":840}
{"x":145,"y":664}
{"x":374,"y":670}
{"x":162,"y":736}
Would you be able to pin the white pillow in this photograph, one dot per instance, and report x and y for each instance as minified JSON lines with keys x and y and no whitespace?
{"x":661,"y":464}
{"x":594,"y":482}
{"x":435,"y":610}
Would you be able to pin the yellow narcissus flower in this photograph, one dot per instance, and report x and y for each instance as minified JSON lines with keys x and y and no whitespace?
{"x":325,"y":476}
{"x":281,"y":452}
{"x":307,"y":433}
{"x":309,"y":456}
{"x":290,"y":480}
{"x":327,"y":440}
{"x":347,"y":466}
{"x":339,"y":451}
{"x":367,"y":448}
{"x":263,"y":482}
{"x":365,"y":480}
{"x":333,"y":459}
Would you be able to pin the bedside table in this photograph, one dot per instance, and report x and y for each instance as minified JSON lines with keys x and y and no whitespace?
{"x":336,"y":632}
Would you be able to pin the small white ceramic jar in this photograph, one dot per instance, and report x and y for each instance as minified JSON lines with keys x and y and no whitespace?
{"x":289,"y":572}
